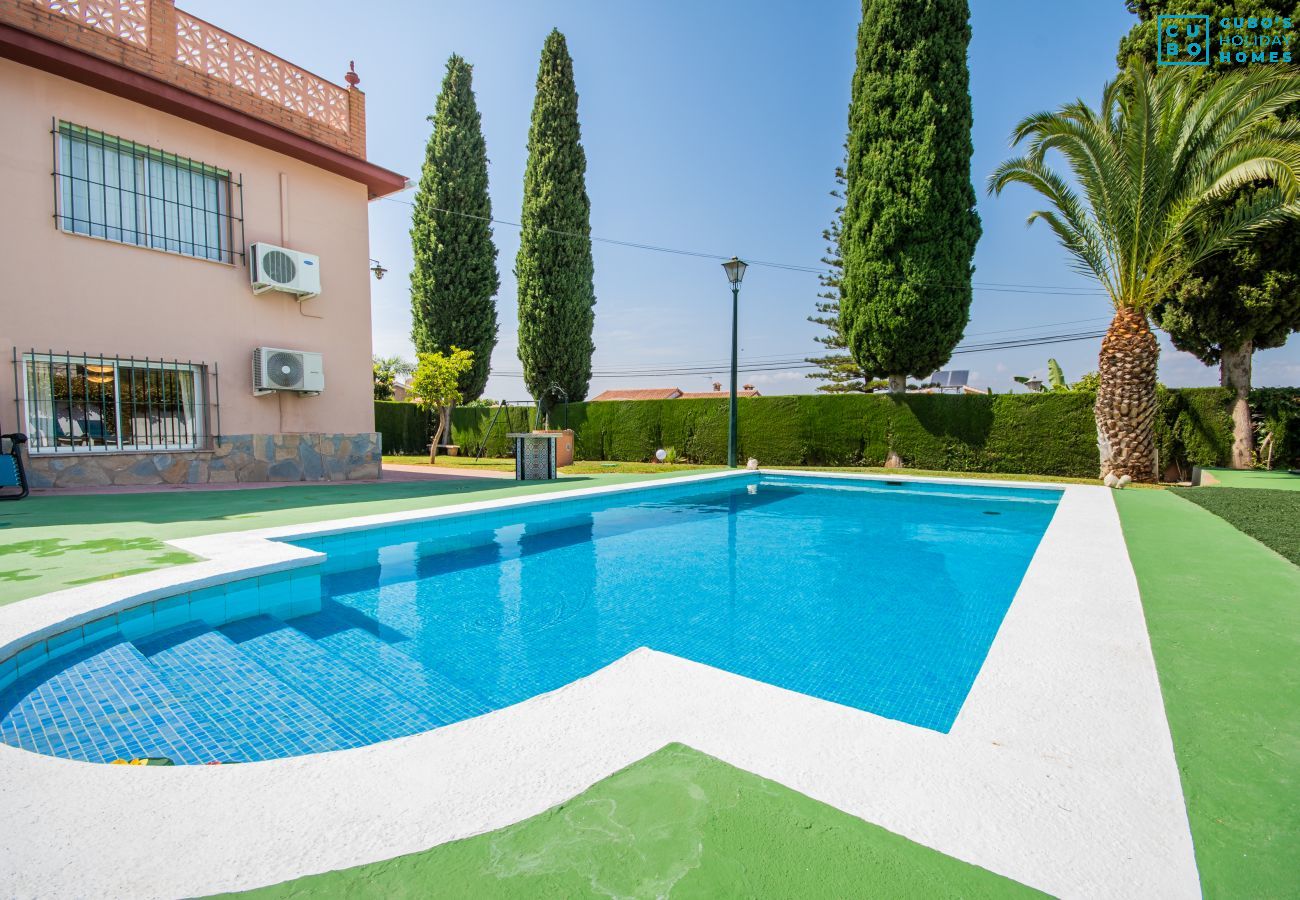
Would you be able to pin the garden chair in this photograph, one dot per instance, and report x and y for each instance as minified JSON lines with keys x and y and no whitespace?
{"x":13,"y":479}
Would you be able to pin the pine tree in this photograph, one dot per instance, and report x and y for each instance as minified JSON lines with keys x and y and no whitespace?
{"x":454,"y":281}
{"x":838,"y":369}
{"x":910,"y":225}
{"x":557,"y":297}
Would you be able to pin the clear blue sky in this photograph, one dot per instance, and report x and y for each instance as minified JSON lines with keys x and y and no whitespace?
{"x":712,"y":126}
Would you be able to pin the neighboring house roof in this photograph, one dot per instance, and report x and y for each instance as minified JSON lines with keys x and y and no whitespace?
{"x":705,"y":395}
{"x":670,"y":393}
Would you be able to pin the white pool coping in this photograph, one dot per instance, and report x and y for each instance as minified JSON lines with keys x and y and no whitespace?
{"x":1058,"y":772}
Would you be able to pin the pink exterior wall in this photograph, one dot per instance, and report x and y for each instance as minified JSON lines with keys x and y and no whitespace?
{"x":80,"y":294}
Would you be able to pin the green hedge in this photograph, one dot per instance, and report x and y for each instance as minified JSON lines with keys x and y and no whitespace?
{"x":1038,"y":434}
{"x":406,"y":428}
{"x":1044,"y":434}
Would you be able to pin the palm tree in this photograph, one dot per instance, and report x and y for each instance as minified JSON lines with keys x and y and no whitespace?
{"x":1152,"y":166}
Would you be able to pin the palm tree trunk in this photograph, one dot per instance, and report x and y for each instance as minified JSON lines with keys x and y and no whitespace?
{"x":1126,"y":398}
{"x":1234,"y":374}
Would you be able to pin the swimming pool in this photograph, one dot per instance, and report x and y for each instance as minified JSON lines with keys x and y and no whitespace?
{"x":883,"y":596}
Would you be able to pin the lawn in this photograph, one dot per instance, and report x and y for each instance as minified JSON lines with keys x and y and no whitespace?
{"x":677,"y":821}
{"x":1223,"y":613}
{"x":1271,"y":517}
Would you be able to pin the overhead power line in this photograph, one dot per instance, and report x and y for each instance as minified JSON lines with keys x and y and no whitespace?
{"x":748,"y":368}
{"x":989,"y":286}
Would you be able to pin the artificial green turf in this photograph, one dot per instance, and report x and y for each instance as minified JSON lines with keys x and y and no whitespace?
{"x":1223,"y":613}
{"x":1271,"y":517}
{"x":1266,"y":479}
{"x":52,"y":542}
{"x":676,"y":823}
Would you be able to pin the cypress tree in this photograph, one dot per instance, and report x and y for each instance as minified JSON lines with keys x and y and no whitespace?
{"x":554,"y":267}
{"x":454,"y":281}
{"x":910,"y":225}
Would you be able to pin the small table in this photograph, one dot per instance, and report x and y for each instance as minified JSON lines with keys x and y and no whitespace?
{"x":535,"y":455}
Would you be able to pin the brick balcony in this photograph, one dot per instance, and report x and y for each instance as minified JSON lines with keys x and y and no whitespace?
{"x":188,"y":66}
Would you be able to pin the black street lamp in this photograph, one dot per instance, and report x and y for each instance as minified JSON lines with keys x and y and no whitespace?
{"x":735,"y":269}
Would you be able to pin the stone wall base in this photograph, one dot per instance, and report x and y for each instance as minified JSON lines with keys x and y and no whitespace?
{"x":238,"y":458}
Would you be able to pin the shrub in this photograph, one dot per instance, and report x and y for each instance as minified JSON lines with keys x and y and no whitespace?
{"x":1039,"y":434}
{"x":405,"y":427}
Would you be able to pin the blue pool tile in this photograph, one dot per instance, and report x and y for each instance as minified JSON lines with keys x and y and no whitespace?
{"x":208,"y":605}
{"x":256,"y":713}
{"x":62,"y":644}
{"x":107,"y":705}
{"x":353,"y":698}
{"x":137,"y":622}
{"x":171,"y":612}
{"x":30,"y":658}
{"x":99,"y":629}
{"x":243,"y":599}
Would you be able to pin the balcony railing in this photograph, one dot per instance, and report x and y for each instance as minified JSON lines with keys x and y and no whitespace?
{"x":220,"y":55}
{"x":155,"y":38}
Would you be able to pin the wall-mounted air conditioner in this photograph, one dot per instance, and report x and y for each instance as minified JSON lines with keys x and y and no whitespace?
{"x":273,"y":268}
{"x":277,"y":369}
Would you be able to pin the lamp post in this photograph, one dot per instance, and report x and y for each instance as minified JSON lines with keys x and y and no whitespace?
{"x":735,"y":269}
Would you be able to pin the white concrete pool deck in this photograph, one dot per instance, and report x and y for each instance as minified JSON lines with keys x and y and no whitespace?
{"x":1059,"y":771}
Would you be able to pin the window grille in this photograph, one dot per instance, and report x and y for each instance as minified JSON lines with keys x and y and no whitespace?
{"x":112,"y":188}
{"x":79,"y":403}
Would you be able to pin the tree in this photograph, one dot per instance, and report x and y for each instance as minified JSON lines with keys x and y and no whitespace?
{"x":910,"y":225}
{"x":437,"y":381}
{"x":554,"y":267}
{"x":1153,"y":165}
{"x":454,"y":281}
{"x":1242,"y":300}
{"x":387,"y":369}
{"x":839,"y":370}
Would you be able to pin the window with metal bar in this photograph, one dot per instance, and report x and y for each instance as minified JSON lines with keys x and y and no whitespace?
{"x":116,"y":189}
{"x":87,"y":403}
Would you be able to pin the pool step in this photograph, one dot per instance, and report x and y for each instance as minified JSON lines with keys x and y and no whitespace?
{"x":444,"y":701}
{"x":259,"y":715}
{"x":343,"y":691}
{"x":106,"y":703}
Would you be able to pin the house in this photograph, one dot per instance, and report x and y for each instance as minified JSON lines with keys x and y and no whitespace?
{"x":672,"y":393}
{"x":146,"y":153}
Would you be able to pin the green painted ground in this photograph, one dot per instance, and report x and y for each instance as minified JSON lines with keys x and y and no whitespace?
{"x":1223,"y":612}
{"x":1270,"y":517}
{"x":1275,"y":479}
{"x":676,"y":822}
{"x":49,"y":542}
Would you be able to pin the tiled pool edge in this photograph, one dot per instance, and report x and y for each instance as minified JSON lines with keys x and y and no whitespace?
{"x":994,"y":792}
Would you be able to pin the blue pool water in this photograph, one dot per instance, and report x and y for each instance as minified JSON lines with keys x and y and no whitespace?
{"x":879,"y":596}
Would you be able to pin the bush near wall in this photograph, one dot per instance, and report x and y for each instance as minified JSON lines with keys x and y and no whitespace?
{"x":406,"y":428}
{"x":1039,"y":434}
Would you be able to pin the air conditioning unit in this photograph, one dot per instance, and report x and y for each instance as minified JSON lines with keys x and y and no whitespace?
{"x":277,"y":369}
{"x":273,"y":268}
